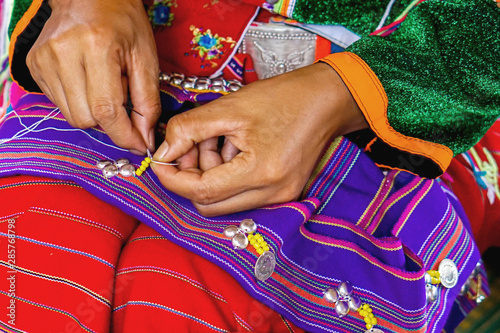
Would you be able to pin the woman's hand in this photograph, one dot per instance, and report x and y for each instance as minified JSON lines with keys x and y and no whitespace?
{"x":278,"y":129}
{"x":89,"y":55}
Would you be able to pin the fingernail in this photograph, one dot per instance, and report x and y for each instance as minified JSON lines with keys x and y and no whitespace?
{"x":162,"y":151}
{"x":136,"y":152}
{"x":152,"y":140}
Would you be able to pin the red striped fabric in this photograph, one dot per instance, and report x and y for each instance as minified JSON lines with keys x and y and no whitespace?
{"x":72,"y":263}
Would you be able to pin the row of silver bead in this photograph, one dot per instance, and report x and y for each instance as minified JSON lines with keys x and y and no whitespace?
{"x":200,"y":83}
{"x":274,"y":35}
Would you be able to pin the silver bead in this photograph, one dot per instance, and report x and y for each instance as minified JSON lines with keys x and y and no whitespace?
{"x":102,"y":163}
{"x":354,"y":303}
{"x":177,"y":79}
{"x":127,"y":170}
{"x":374,"y":330}
{"x":342,"y":308}
{"x":230,"y":231}
{"x":121,"y":162}
{"x":465,"y":288}
{"x":189,"y":82}
{"x":431,"y":293}
{"x":217,"y":88}
{"x":345,"y":289}
{"x":480,"y":298}
{"x":281,"y":68}
{"x":271,"y":2}
{"x":448,"y":273}
{"x":427,"y":278}
{"x":331,"y":295}
{"x":218,"y":82}
{"x":240,"y":241}
{"x":233,"y":85}
{"x":201,"y":86}
{"x":248,"y":226}
{"x":110,"y":171}
{"x":165,"y":77}
{"x":264,"y":267}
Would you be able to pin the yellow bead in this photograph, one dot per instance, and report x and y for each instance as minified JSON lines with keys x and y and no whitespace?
{"x":374,"y":321}
{"x":369,"y":326}
{"x":146,"y":164}
{"x":369,"y":309}
{"x":260,"y":250}
{"x":148,"y":160}
{"x":363,"y":313}
{"x":138,"y":172}
{"x":366,"y":306}
{"x":252,"y":241}
{"x":266,"y":248}
{"x":250,"y":236}
{"x":370,"y":315}
{"x":367,"y":320}
{"x":142,"y":168}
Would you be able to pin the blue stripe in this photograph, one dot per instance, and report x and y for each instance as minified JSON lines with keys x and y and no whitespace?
{"x":60,"y":248}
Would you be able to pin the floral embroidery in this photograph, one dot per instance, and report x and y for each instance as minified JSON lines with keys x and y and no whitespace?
{"x":486,"y":172}
{"x":209,"y":46}
{"x":160,"y":13}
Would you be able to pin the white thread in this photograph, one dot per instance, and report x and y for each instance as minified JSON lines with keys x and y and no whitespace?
{"x":32,"y":129}
{"x":27,"y":129}
{"x":158,"y":162}
{"x":386,"y":14}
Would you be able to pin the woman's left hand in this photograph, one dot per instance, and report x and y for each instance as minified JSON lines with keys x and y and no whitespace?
{"x":277,"y":128}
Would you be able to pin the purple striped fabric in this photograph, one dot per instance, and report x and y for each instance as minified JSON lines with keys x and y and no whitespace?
{"x":379,"y":232}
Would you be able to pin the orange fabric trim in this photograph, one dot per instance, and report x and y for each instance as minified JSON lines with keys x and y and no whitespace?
{"x":20,"y":27}
{"x":371,"y":98}
{"x":323,"y":47}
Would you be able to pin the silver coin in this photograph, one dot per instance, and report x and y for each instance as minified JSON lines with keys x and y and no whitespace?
{"x":127,"y":170}
{"x":448,"y":273}
{"x":102,"y":163}
{"x":374,"y":330}
{"x":264,"y":267}
{"x":230,"y":231}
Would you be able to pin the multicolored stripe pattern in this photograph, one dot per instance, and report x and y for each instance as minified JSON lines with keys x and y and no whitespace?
{"x":378,"y":231}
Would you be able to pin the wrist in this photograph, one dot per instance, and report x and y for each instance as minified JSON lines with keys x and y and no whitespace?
{"x":344,"y":112}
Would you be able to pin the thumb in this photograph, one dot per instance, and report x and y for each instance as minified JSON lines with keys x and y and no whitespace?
{"x":189,"y":128}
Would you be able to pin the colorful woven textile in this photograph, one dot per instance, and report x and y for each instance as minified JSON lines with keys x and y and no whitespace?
{"x":379,"y":232}
{"x":81,"y":265}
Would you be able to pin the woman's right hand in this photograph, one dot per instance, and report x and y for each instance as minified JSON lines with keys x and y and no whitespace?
{"x":88,"y":56}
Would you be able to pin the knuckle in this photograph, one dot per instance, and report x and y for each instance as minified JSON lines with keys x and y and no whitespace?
{"x":206,"y":211}
{"x":204,"y":194}
{"x":104,"y":112}
{"x":84,"y":123}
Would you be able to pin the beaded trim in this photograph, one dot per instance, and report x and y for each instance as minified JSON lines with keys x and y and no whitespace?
{"x":200,"y":84}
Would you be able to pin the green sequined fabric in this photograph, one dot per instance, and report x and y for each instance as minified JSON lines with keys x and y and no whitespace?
{"x":20,"y":7}
{"x":441,"y":71}
{"x":362,"y":17}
